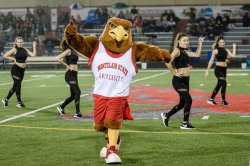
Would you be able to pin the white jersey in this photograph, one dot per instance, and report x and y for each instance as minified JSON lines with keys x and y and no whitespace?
{"x":113,"y":73}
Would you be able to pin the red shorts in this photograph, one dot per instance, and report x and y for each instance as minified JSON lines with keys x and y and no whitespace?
{"x":110,"y":108}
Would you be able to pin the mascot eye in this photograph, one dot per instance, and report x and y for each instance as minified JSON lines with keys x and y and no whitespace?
{"x":112,"y":26}
{"x":126,"y":29}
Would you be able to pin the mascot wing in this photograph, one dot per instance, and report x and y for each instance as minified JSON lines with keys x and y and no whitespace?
{"x":145,"y":52}
{"x":83,"y":44}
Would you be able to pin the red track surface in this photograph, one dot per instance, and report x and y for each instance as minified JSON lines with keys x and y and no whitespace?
{"x":140,"y":94}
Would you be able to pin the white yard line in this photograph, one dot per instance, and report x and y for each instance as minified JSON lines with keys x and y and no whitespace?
{"x":52,"y":105}
{"x":145,"y":78}
{"x":34,"y":111}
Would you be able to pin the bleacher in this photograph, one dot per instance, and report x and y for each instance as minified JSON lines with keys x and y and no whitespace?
{"x":239,"y":35}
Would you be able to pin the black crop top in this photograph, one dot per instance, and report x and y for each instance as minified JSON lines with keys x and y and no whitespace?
{"x":182,"y":61}
{"x":222,"y":55}
{"x":72,"y":58}
{"x":21,"y":55}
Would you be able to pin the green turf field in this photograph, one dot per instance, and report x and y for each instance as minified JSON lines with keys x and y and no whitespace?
{"x":43,"y":138}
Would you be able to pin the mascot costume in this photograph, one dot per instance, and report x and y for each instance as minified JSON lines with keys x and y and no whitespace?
{"x":112,"y":59}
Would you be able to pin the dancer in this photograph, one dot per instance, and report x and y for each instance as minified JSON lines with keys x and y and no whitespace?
{"x":71,"y":57}
{"x":220,"y":71}
{"x":19,"y":55}
{"x":180,"y":81}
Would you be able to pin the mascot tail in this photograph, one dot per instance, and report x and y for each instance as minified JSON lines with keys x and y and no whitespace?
{"x":127,"y":113}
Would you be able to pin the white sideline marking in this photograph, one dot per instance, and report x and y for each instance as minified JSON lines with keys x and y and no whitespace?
{"x":84,"y":75}
{"x":29,"y":80}
{"x":237,"y":74}
{"x":52,"y":105}
{"x":42,"y":76}
{"x":245,"y":116}
{"x":43,"y":85}
{"x":34,"y":111}
{"x":205,"y":117}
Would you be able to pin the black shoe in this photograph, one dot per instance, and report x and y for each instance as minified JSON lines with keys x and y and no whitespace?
{"x":20,"y":104}
{"x":5,"y":102}
{"x":187,"y":125}
{"x":165,"y":119}
{"x":78,"y":115}
{"x":224,"y":102}
{"x":61,"y":110}
{"x":211,"y":101}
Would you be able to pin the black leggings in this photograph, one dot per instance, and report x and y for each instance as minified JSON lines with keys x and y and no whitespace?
{"x":75,"y":92}
{"x":181,"y":85}
{"x":221,"y":74}
{"x":17,"y":74}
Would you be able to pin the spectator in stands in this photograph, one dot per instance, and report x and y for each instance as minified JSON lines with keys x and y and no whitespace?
{"x":121,"y":15}
{"x":246,"y":20}
{"x":171,"y":23}
{"x":1,"y":46}
{"x":128,"y":16}
{"x":138,"y":24}
{"x":192,"y":14}
{"x":164,"y":14}
{"x":151,"y":25}
{"x":40,"y":12}
{"x":134,"y":11}
{"x":194,"y":29}
{"x":71,"y":57}
{"x":225,"y":22}
{"x":19,"y":55}
{"x":210,"y":31}
{"x":218,"y":27}
{"x":105,"y":15}
{"x":180,"y":57}
{"x":26,"y":32}
{"x":98,"y":13}
{"x":63,"y":18}
{"x":171,"y":16}
{"x":49,"y":44}
{"x":201,"y":14}
{"x":220,"y":71}
{"x":218,"y":18}
{"x":164,"y":24}
{"x":40,"y":31}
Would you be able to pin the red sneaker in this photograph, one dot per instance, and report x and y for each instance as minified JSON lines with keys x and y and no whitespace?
{"x":103,"y":151}
{"x":112,"y":156}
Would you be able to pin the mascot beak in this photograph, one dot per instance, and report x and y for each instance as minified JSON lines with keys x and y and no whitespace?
{"x":119,"y":33}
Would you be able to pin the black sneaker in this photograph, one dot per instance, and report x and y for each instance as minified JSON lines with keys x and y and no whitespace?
{"x":79,"y":115}
{"x":187,"y":125}
{"x":224,"y":102}
{"x":61,"y":110}
{"x":5,"y":102}
{"x":165,"y":119}
{"x":211,"y":101}
{"x":20,"y":104}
